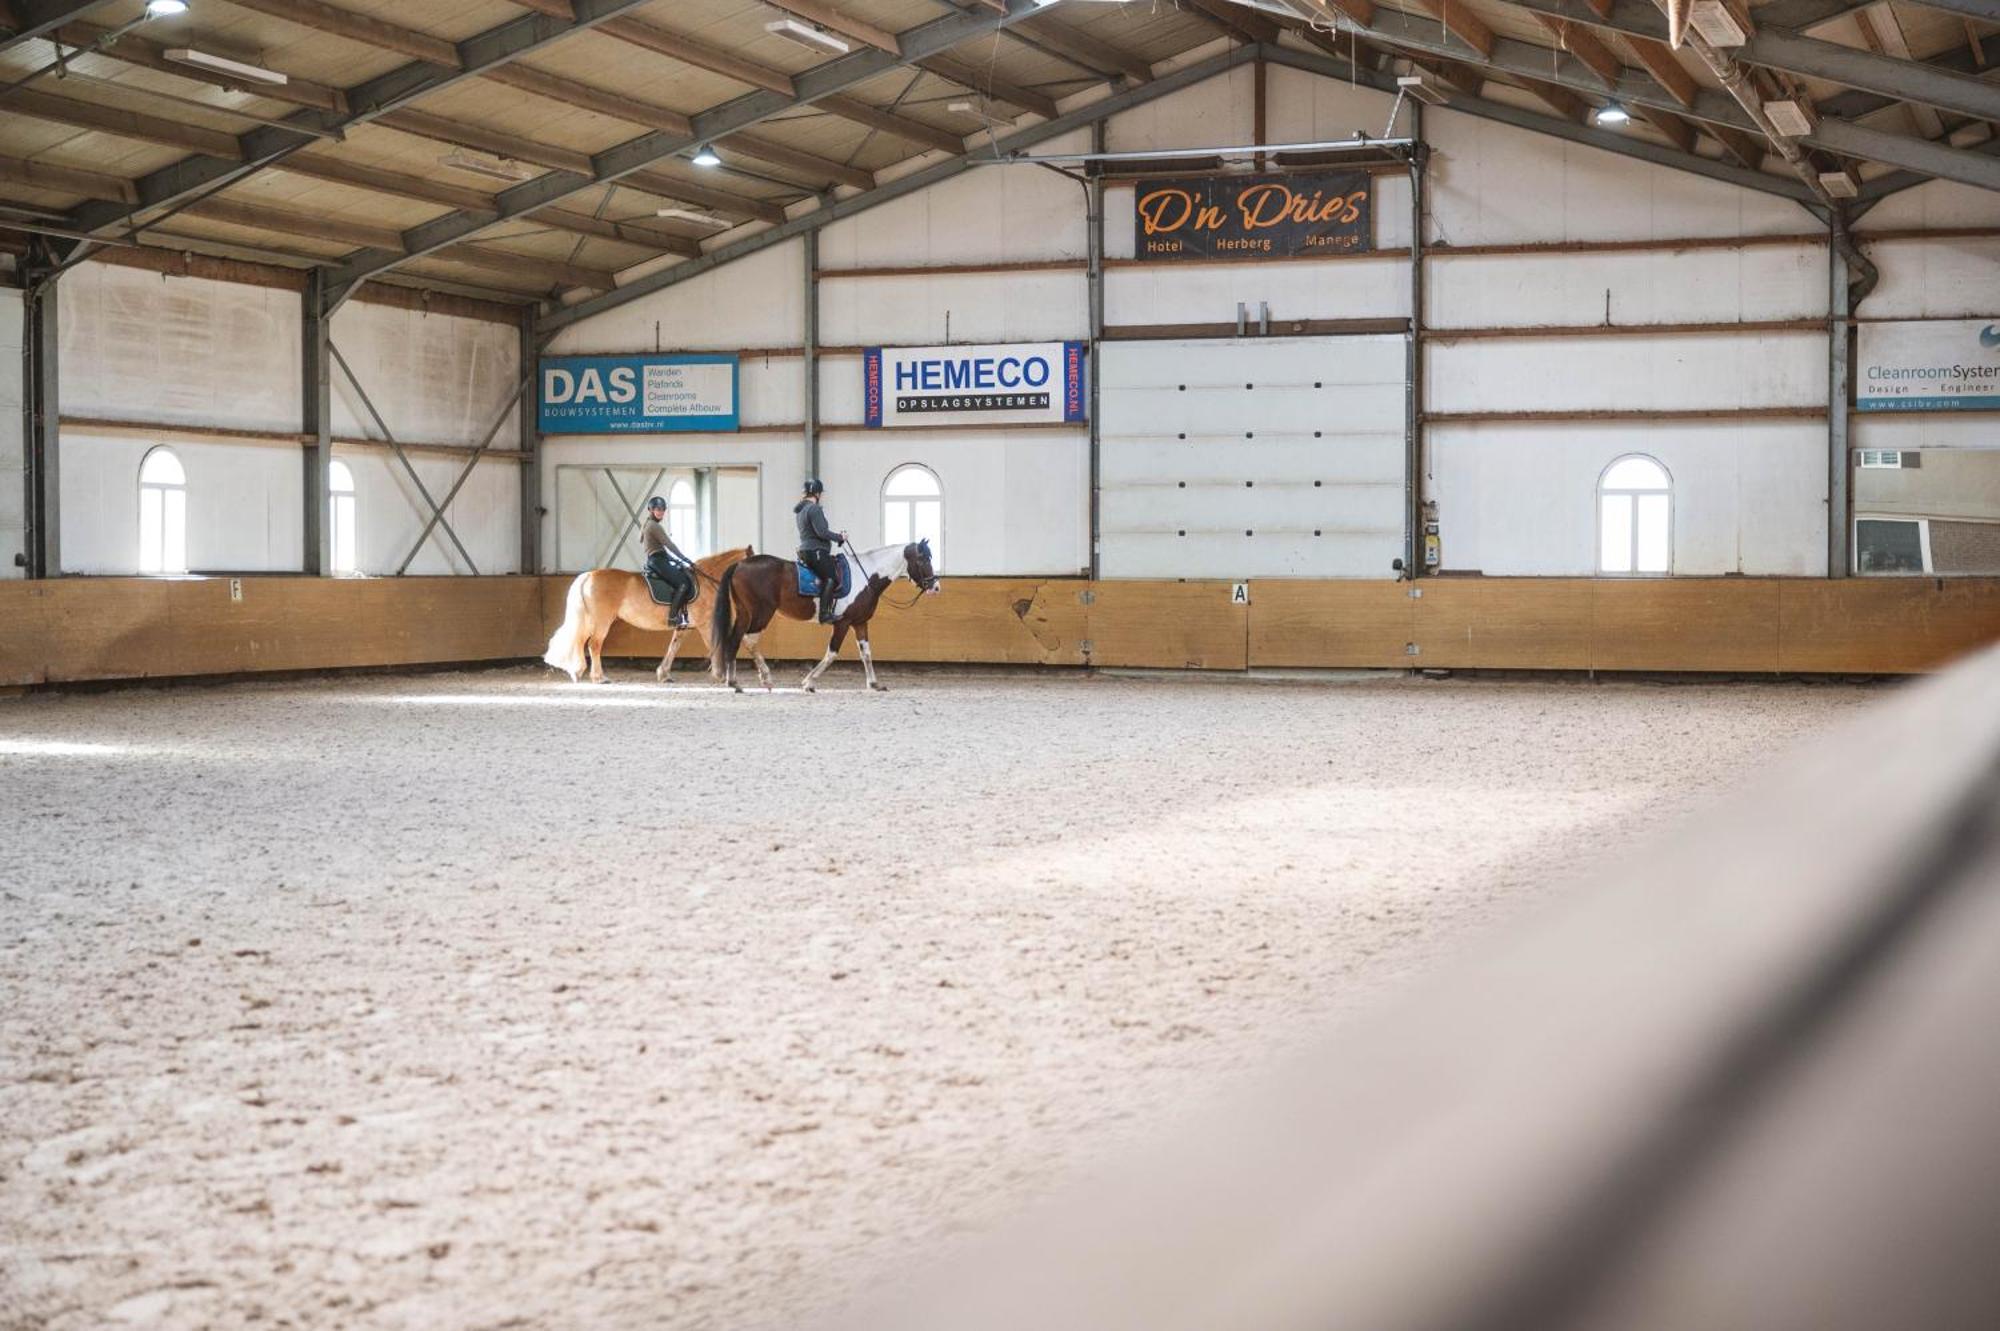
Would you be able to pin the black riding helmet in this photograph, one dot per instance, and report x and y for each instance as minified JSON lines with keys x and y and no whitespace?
{"x":813,"y":487}
{"x":655,"y":503}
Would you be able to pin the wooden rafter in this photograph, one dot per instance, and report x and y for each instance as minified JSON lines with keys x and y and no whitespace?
{"x":1082,"y":50}
{"x":337,"y":22}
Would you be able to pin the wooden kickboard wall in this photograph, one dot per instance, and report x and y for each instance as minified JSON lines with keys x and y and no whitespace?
{"x":77,"y":629}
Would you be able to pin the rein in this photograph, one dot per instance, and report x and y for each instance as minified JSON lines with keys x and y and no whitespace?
{"x":855,"y":551}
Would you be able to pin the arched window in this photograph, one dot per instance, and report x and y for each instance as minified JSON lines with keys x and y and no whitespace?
{"x":913,"y":509}
{"x":162,"y":513}
{"x":684,"y":518}
{"x":340,"y":490}
{"x":1635,"y":517}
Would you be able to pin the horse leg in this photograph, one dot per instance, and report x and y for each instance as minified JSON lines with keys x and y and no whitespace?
{"x":832,"y":651}
{"x":867,"y":658}
{"x":667,"y":663}
{"x":763,"y":666}
{"x":597,"y":655}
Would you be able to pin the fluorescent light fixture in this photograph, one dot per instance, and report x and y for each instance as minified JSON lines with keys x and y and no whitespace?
{"x":187,"y":55}
{"x":968,"y":109}
{"x":1840,"y":184}
{"x":1610,"y":114}
{"x":1417,"y":86}
{"x":165,"y":8}
{"x":706,"y":156}
{"x":1791,"y":119}
{"x":691,"y":215}
{"x":806,"y":35}
{"x":479,"y":164}
{"x":1719,"y":23}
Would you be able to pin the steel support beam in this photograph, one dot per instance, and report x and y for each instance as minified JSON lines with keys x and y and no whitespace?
{"x":906,"y":185}
{"x":1507,"y":114}
{"x":201,"y":174}
{"x":1839,"y":391}
{"x":530,"y":445}
{"x":1525,"y":60}
{"x":41,"y":410}
{"x":39,"y":18}
{"x":1094,"y":368}
{"x":521,"y":386}
{"x":1413,"y":379}
{"x":396,"y":447}
{"x":812,"y":352}
{"x":317,"y":426}
{"x":825,"y":80}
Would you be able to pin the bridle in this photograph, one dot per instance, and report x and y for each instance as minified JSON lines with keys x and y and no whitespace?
{"x":922,"y":587}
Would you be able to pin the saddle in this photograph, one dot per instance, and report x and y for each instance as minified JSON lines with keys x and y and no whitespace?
{"x":809,"y":581}
{"x":661,"y":592}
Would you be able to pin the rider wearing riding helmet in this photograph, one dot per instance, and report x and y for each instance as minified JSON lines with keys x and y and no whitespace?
{"x":816,"y":542}
{"x":665,"y":561}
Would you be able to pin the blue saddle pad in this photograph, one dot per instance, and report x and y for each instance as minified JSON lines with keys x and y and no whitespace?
{"x":809,"y":581}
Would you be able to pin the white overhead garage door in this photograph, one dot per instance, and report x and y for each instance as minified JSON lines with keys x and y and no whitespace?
{"x":1251,"y":457}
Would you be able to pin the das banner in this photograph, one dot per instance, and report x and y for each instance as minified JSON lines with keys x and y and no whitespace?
{"x":1022,"y":383}
{"x":1928,"y":365}
{"x":635,"y":394}
{"x":1254,"y":217}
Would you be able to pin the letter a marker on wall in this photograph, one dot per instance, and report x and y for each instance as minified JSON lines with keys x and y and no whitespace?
{"x":1026,"y":383}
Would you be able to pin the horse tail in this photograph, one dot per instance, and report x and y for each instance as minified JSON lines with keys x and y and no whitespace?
{"x":722,"y":639}
{"x":566,"y":646}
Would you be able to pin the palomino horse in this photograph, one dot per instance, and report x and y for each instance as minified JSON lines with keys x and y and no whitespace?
{"x":765,"y":585}
{"x":600,"y":598}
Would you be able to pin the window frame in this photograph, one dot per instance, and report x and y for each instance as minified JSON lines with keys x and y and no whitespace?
{"x":1601,"y":493}
{"x":163,"y":489}
{"x":884,"y":499}
{"x":693,"y":545}
{"x":335,"y":497}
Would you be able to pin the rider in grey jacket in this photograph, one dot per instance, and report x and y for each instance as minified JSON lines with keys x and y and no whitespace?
{"x":816,"y":542}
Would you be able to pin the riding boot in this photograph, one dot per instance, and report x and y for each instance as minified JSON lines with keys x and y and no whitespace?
{"x":826,"y":599}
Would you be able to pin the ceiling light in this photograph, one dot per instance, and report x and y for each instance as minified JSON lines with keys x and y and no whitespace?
{"x":968,"y":109}
{"x":706,"y":156}
{"x":806,"y":35}
{"x":165,"y":8}
{"x":241,"y":69}
{"x":1791,"y":119}
{"x":479,"y":164}
{"x":1719,"y":23}
{"x":1418,"y":87}
{"x":691,"y":215}
{"x":1610,"y":114}
{"x":1840,"y":184}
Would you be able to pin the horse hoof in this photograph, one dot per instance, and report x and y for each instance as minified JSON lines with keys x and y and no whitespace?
{"x":879,"y":688}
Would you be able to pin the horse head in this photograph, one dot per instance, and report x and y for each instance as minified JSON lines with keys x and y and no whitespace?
{"x":917,"y":561}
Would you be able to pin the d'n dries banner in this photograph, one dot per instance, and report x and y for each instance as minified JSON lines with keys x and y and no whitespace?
{"x":1297,"y":216}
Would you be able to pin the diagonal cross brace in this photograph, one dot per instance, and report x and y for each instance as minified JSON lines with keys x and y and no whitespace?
{"x":437,"y":514}
{"x":485,"y":440}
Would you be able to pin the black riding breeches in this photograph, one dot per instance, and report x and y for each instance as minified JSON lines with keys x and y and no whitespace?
{"x":662,"y":566}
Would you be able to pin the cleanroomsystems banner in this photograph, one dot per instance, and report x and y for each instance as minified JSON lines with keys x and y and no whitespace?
{"x":1023,"y":383}
{"x":636,"y":394}
{"x":1928,"y":365}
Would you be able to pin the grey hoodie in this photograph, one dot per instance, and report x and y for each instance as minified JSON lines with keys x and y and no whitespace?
{"x":814,"y":535}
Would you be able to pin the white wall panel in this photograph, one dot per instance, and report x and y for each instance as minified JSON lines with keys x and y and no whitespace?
{"x":13,"y":457}
{"x":435,"y":379}
{"x":140,"y":346}
{"x":244,"y":503}
{"x":771,"y":390}
{"x":1264,"y":457}
{"x":389,"y":513}
{"x":1656,"y":372}
{"x":988,"y":215}
{"x":1209,"y":292}
{"x":1216,"y":112}
{"x":1015,"y":501}
{"x":932,"y":309}
{"x":1494,"y":184}
{"x":780,"y":458}
{"x":1513,"y":290}
{"x":1936,"y":203}
{"x":1946,"y":277}
{"x":758,"y":301}
{"x":1521,"y":500}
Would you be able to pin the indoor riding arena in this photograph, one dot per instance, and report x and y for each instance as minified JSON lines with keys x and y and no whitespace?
{"x":969,"y":665}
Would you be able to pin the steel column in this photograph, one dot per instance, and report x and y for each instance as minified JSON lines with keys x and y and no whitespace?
{"x":812,"y":352}
{"x":530,"y":444}
{"x":1839,"y":390}
{"x":1093,"y":367}
{"x":317,"y":425}
{"x":41,"y":408}
{"x":1413,"y":408}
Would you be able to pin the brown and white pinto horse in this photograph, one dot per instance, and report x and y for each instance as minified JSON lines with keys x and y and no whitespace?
{"x":763,"y":586}
{"x":600,"y":598}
